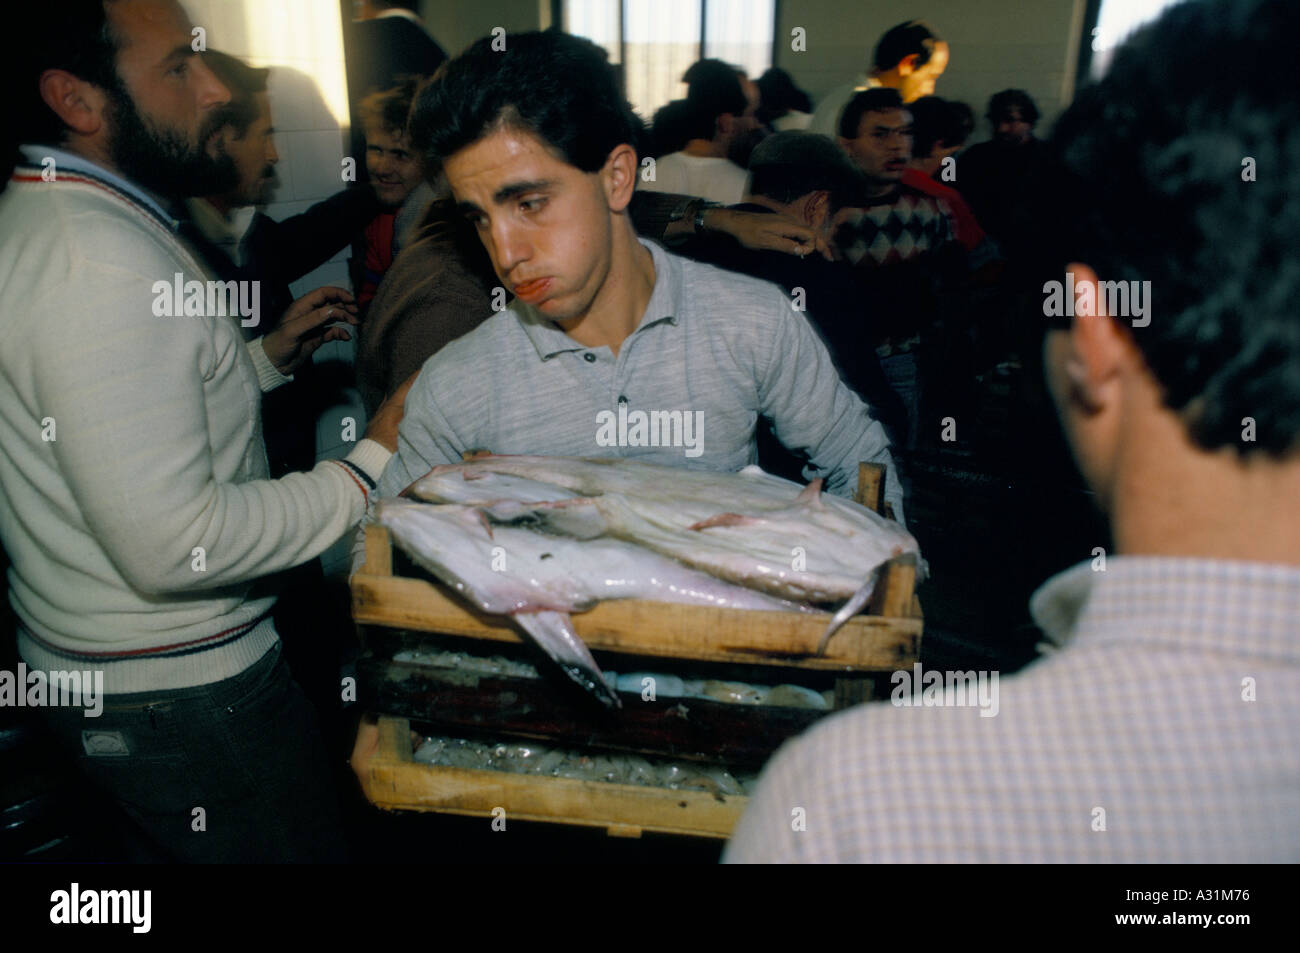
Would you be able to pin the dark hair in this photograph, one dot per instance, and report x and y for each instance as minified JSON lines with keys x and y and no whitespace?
{"x":558,"y":87}
{"x":713,"y":89}
{"x":71,"y":35}
{"x":963,"y":121}
{"x":778,"y":95}
{"x":788,"y":165}
{"x":1002,"y":103}
{"x":389,"y":109}
{"x":671,"y":128}
{"x":1153,"y":168}
{"x":244,"y":83}
{"x":935,"y":121}
{"x":880,"y":99}
{"x":905,"y":40}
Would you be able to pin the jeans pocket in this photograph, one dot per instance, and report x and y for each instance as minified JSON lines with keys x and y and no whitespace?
{"x":249,"y":686}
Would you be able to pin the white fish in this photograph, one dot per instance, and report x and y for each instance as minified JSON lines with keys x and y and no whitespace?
{"x":539,"y":579}
{"x":750,"y":528}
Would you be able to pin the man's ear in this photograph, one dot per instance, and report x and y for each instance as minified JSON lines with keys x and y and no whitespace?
{"x":619,"y":176}
{"x":817,"y":208}
{"x":79,"y":104}
{"x":907,"y":64}
{"x":1098,"y":347}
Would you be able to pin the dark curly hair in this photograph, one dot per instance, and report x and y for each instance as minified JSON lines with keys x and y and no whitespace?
{"x":558,"y":87}
{"x":879,"y":99}
{"x":935,"y":121}
{"x":1000,"y":104}
{"x":1153,"y":164}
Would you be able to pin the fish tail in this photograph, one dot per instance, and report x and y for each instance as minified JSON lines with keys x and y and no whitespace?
{"x":848,"y":610}
{"x":553,"y":633}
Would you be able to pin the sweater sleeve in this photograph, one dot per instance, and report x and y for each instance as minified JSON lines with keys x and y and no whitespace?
{"x":291,"y":248}
{"x":133,"y":394}
{"x":268,"y":378}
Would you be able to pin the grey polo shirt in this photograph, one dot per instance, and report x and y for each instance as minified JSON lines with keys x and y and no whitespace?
{"x":712,"y":352}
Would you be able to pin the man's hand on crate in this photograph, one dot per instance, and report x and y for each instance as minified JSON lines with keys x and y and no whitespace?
{"x":367,"y":745}
{"x":364,"y":748}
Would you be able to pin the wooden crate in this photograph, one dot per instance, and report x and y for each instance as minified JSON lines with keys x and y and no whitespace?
{"x":395,"y":781}
{"x":868,"y":647}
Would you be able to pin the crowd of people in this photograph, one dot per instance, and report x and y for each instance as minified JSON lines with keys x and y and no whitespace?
{"x":528,"y":254}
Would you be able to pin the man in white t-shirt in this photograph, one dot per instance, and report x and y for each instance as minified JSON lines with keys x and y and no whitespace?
{"x":909,"y":58}
{"x":720,"y":107}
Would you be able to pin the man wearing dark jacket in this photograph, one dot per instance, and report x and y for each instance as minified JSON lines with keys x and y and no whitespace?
{"x":805,"y":177}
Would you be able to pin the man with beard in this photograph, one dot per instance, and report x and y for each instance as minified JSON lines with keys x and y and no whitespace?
{"x":238,"y":241}
{"x":134,"y":502}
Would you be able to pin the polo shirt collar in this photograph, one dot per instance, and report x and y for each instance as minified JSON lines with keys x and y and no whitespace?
{"x":666,"y":306}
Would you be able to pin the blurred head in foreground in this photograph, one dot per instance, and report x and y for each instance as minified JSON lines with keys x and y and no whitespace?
{"x":1177,"y":378}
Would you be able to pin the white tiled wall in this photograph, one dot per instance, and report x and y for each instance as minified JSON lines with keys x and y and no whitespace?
{"x":302,"y":42}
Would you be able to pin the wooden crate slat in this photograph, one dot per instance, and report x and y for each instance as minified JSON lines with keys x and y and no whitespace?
{"x":669,"y":630}
{"x":395,"y":781}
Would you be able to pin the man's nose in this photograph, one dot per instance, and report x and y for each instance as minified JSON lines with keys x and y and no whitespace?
{"x":210,"y":90}
{"x":272,"y":155}
{"x":512,"y":248}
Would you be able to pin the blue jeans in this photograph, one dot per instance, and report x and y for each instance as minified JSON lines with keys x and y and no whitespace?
{"x":247,"y":751}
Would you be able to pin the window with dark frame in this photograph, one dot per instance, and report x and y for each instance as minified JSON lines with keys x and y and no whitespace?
{"x":654,"y":41}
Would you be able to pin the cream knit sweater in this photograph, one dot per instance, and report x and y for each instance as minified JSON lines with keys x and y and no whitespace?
{"x":134,"y":499}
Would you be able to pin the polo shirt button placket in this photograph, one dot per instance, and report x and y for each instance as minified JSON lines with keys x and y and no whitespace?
{"x":589,"y":358}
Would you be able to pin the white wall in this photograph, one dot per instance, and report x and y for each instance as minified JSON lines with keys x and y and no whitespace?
{"x":455,"y":24}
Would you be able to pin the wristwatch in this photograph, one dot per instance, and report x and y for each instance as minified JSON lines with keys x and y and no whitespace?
{"x":703,"y":207}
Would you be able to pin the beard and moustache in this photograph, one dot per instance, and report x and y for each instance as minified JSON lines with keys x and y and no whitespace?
{"x":161,"y":159}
